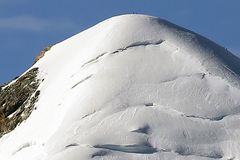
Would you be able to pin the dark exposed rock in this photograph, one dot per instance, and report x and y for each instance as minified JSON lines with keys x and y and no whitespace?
{"x":17,"y":100}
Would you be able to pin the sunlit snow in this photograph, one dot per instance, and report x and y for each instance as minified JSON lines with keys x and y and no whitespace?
{"x":133,"y":87}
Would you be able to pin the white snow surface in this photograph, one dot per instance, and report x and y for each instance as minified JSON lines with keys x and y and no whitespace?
{"x":133,"y":87}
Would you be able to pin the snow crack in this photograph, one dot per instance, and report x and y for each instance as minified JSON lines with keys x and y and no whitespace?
{"x":216,"y":118}
{"x":86,"y":78}
{"x":25,"y":145}
{"x":94,"y":60}
{"x":144,"y":130}
{"x":133,"y":45}
{"x":99,"y":154}
{"x":89,"y":114}
{"x":200,"y":75}
{"x":140,"y":149}
{"x":71,"y":145}
{"x":184,"y":152}
{"x":138,"y":44}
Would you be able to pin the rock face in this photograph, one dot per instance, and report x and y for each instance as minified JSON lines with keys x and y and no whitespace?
{"x":133,"y":87}
{"x":42,"y":53}
{"x":17,"y":100}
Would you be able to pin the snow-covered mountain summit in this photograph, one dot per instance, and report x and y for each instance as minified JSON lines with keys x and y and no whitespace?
{"x":132,"y":87}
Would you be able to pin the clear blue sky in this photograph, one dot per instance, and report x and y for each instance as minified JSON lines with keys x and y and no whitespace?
{"x":27,"y":26}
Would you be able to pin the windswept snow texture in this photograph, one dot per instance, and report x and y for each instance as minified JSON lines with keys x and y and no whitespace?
{"x":133,"y":87}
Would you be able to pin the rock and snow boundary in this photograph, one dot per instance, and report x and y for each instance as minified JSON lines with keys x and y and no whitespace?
{"x":132,"y":87}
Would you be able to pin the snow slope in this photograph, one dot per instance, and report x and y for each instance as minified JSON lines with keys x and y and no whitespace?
{"x":133,"y":87}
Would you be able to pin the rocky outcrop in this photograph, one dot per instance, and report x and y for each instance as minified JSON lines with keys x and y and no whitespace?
{"x":42,"y":53}
{"x":17,"y":100}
